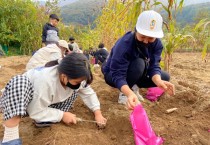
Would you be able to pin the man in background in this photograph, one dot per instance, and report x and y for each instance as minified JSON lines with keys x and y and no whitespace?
{"x":74,"y":44}
{"x":50,"y":33}
{"x":102,"y":53}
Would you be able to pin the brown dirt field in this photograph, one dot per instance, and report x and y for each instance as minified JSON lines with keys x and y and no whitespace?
{"x":188,"y":125}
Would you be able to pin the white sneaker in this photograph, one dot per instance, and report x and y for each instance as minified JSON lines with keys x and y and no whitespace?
{"x":135,"y":89}
{"x":122,"y":98}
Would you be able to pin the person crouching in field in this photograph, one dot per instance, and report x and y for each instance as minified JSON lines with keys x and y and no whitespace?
{"x":134,"y":61}
{"x":101,"y":54}
{"x":47,"y":93}
{"x":48,"y":53}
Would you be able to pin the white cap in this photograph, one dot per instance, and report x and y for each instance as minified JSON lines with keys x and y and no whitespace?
{"x":63,"y":43}
{"x":149,"y":23}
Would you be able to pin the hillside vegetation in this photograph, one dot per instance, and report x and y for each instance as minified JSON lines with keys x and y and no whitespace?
{"x":82,"y":12}
{"x":193,"y":13}
{"x":112,"y":20}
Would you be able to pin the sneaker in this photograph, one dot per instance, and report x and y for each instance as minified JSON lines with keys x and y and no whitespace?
{"x":13,"y":142}
{"x":43,"y":124}
{"x":135,"y":89}
{"x":122,"y":98}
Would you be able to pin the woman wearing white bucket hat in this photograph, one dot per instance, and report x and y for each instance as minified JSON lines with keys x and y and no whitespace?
{"x":48,"y":53}
{"x":135,"y":60}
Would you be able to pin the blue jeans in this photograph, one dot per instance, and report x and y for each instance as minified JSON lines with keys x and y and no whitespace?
{"x":13,"y":142}
{"x":137,"y":74}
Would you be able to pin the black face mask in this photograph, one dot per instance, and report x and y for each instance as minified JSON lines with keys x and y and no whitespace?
{"x":141,"y":44}
{"x":74,"y":87}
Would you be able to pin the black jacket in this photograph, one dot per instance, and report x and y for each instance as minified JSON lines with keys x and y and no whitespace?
{"x":50,"y":33}
{"x":101,"y":54}
{"x":125,"y":51}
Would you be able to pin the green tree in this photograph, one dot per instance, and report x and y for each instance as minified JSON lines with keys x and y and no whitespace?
{"x":205,"y":48}
{"x":51,"y":6}
{"x":21,"y":22}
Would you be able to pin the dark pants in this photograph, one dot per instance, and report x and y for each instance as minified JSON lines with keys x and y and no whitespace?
{"x":100,"y":58}
{"x":137,"y":75}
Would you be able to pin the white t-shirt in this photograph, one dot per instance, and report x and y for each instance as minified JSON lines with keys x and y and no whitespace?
{"x":48,"y":90}
{"x":76,"y":48}
{"x":44,"y":55}
{"x":105,"y":48}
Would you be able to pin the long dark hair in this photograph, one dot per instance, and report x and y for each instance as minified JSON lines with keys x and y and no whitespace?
{"x":51,"y":63}
{"x":76,"y":65}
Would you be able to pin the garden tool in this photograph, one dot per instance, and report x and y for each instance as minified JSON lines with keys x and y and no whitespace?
{"x":99,"y":125}
{"x":91,"y":121}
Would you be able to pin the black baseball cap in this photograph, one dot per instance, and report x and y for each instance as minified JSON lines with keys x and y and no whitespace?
{"x":71,"y":38}
{"x":54,"y":16}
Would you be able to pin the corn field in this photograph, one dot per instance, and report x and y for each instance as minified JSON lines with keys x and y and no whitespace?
{"x":24,"y":26}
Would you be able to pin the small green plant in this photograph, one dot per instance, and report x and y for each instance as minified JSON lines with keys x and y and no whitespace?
{"x":171,"y":42}
{"x":205,"y":48}
{"x":173,"y":39}
{"x":200,"y":33}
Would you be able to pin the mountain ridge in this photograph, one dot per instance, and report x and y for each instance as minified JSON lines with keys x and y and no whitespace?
{"x":186,"y":2}
{"x":83,"y":13}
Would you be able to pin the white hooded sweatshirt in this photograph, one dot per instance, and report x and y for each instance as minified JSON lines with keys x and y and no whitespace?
{"x":48,"y":90}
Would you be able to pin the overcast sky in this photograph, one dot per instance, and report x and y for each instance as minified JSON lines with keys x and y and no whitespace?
{"x":187,"y":2}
